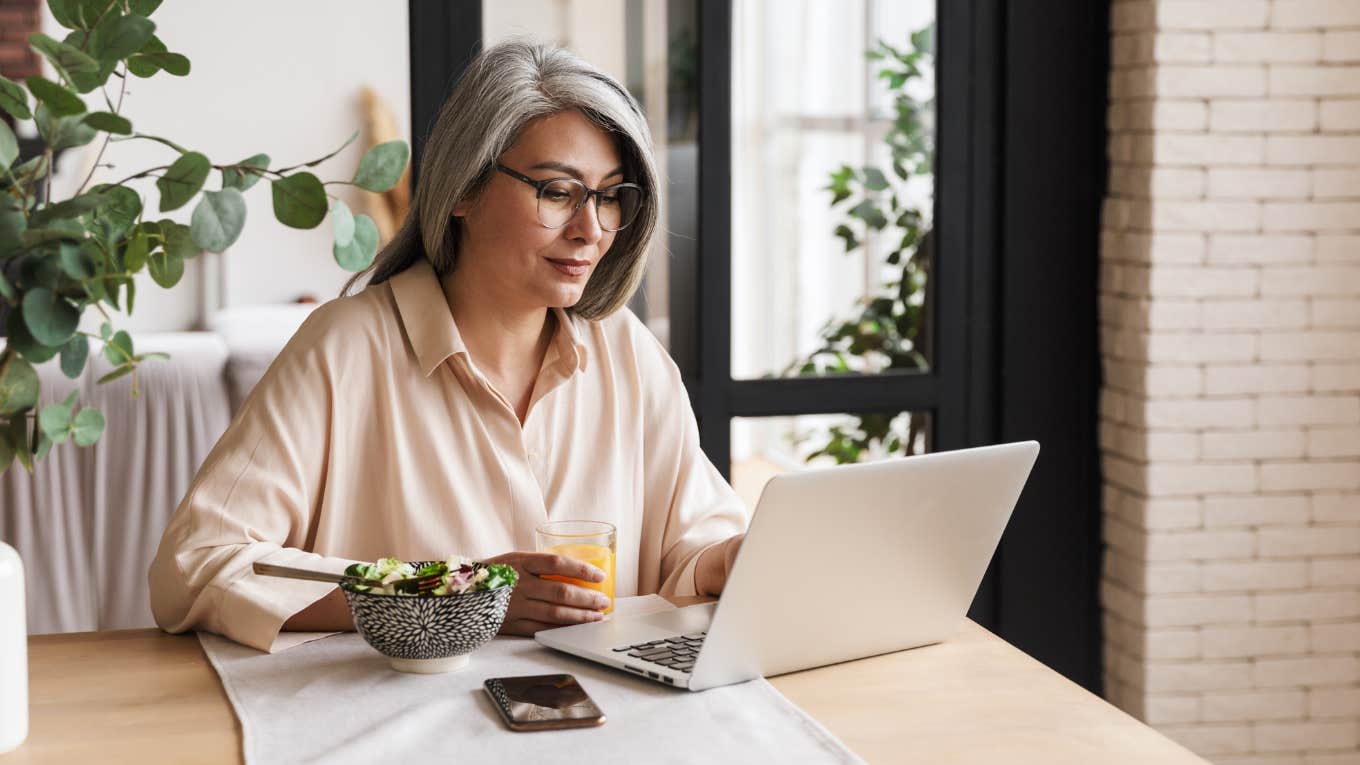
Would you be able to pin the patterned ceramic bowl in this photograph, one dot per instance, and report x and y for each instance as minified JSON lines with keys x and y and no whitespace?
{"x":431,"y":634}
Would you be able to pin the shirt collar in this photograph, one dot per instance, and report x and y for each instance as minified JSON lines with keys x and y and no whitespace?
{"x":433,"y":334}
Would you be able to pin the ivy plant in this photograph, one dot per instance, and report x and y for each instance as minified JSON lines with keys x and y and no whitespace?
{"x":60,"y":259}
{"x":888,"y":330}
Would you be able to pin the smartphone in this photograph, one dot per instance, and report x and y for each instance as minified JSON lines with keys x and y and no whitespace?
{"x":543,"y":702}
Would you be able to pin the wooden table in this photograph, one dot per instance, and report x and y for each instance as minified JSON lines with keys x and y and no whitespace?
{"x":142,"y":696}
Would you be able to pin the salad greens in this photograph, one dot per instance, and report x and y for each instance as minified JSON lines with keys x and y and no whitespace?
{"x":457,"y":575}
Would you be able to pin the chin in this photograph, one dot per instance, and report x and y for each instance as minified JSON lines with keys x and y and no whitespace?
{"x":563,"y":298}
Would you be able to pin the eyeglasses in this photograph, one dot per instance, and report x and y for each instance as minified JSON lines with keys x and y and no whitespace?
{"x":559,"y":199}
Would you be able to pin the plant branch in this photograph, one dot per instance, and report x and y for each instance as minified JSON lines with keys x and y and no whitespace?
{"x":157,"y":139}
{"x":142,"y":174}
{"x":48,"y":154}
{"x":323,"y":159}
{"x":122,"y":90}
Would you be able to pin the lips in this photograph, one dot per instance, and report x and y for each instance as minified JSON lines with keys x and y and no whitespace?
{"x":570,"y":266}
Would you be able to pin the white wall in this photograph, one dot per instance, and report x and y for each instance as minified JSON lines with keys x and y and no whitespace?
{"x":276,"y":77}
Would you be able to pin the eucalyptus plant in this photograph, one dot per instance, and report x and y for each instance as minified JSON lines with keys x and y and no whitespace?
{"x":60,"y":259}
{"x":888,"y":330}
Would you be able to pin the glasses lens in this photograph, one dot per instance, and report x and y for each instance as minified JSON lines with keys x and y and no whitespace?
{"x":619,"y":206}
{"x":558,"y":201}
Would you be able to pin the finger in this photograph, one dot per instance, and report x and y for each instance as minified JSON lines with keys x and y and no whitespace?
{"x":539,"y":564}
{"x":563,"y":593}
{"x":552,"y":613}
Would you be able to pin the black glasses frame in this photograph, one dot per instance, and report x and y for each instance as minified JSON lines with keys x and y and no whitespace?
{"x":597,"y":194}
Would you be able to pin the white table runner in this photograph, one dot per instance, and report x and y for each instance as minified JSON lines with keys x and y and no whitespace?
{"x":336,"y":700}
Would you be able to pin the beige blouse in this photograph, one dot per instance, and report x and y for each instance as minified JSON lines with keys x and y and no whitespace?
{"x":373,"y":434}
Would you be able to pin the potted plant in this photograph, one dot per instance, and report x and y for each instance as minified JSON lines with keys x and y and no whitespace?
{"x":61,"y":259}
{"x":889,"y":330}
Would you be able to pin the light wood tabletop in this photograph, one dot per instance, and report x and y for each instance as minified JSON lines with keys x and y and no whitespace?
{"x":142,"y":696}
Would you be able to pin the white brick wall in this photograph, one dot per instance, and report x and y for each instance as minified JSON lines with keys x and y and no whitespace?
{"x":1230,"y":331}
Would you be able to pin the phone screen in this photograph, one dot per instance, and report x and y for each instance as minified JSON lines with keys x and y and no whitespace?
{"x":543,"y":702}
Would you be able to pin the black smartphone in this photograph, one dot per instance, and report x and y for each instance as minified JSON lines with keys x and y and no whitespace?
{"x":543,"y":702}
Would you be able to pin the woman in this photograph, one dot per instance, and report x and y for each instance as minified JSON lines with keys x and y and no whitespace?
{"x":488,"y":379}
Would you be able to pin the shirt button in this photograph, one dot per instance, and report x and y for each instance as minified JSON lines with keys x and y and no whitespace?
{"x":533,"y":456}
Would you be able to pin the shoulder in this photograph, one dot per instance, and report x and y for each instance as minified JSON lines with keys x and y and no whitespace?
{"x":622,"y":338}
{"x":347,"y":328}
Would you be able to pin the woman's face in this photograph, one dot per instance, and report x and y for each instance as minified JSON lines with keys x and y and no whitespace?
{"x":506,"y":250}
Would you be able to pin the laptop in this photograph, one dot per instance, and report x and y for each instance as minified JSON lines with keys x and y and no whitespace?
{"x":838,"y":564}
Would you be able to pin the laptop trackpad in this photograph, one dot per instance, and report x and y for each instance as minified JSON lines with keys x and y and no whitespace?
{"x":682,"y":621}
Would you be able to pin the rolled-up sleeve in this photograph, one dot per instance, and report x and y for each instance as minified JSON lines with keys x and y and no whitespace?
{"x":254,"y":499}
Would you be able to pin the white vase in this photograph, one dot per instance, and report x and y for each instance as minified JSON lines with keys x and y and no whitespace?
{"x":13,"y":651}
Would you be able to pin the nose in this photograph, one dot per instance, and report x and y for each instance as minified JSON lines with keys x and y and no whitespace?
{"x":584,"y":227}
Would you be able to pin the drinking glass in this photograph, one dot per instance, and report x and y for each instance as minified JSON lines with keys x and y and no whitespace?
{"x":593,"y":542}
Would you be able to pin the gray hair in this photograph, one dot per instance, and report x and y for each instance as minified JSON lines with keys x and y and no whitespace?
{"x":504,"y":88}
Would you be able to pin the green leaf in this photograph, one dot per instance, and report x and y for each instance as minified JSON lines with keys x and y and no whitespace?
{"x":88,"y":426}
{"x":6,"y":289}
{"x":105,"y":331}
{"x":9,"y":146}
{"x":66,"y":59}
{"x":115,"y":374}
{"x":237,"y":177}
{"x":14,"y":100}
{"x":108,"y":122}
{"x":123,"y":37}
{"x":874,"y":180}
{"x":218,"y":219}
{"x":147,"y":64}
{"x":62,"y":132}
{"x":118,"y":349}
{"x":848,"y":235}
{"x":51,"y":319}
{"x":179,"y":240}
{"x":868,"y":212}
{"x":76,"y":261}
{"x":18,"y":337}
{"x":60,"y":101}
{"x":55,"y":419}
{"x":118,"y":216}
{"x":342,"y":223}
{"x":135,"y":256}
{"x":18,"y":436}
{"x":166,"y":269}
{"x":358,"y":254}
{"x":299,"y":200}
{"x":66,"y":12}
{"x":6,"y":448}
{"x":67,"y":209}
{"x":18,"y":386}
{"x":74,"y":354}
{"x":144,"y":7}
{"x":183,"y":180}
{"x":12,"y":227}
{"x":381,"y":166}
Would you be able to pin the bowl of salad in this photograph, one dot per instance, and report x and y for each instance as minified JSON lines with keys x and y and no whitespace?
{"x":428,"y":616}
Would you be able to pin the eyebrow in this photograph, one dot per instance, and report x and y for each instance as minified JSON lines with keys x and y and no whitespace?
{"x":572,"y":171}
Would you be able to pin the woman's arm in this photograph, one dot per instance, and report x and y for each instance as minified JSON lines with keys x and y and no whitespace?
{"x":692,"y":519}
{"x":255,"y":499}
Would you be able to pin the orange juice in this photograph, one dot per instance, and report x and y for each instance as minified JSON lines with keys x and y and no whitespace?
{"x":596,"y":555}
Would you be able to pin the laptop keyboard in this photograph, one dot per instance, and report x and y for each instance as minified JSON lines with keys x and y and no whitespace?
{"x":677,"y":653}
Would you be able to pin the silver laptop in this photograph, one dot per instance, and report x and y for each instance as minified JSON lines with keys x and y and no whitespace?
{"x":838,"y":564}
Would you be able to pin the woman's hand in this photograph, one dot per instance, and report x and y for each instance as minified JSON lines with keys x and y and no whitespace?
{"x":540,"y":604}
{"x":710,"y":576}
